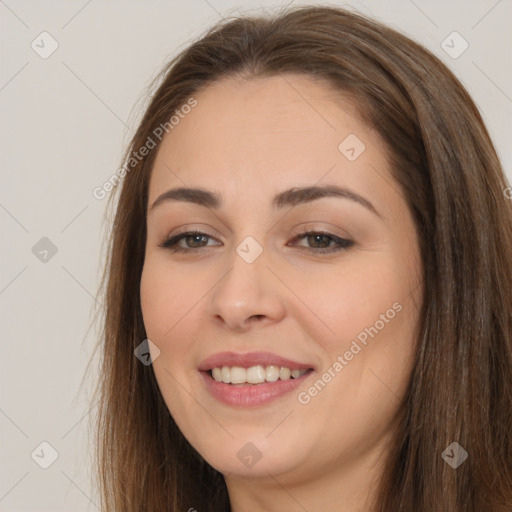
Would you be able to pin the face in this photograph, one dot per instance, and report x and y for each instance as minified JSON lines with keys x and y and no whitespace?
{"x":273,"y":277}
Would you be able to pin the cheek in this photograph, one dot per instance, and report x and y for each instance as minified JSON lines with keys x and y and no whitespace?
{"x":368,"y":316}
{"x":167,"y":310}
{"x":346,"y":301}
{"x":164,"y":298}
{"x":172,"y":310}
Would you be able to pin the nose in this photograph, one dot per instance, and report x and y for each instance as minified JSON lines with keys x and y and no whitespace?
{"x":248,"y":294}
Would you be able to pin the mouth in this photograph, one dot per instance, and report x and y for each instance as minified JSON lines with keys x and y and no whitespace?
{"x":255,"y":375}
{"x":244,"y":380}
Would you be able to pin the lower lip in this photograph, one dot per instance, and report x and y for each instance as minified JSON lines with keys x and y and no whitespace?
{"x":250,"y":395}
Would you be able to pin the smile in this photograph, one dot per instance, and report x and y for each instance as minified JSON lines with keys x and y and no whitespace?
{"x":238,"y":375}
{"x":251,"y":379}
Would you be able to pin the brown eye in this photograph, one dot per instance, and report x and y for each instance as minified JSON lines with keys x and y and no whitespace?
{"x":320,"y":242}
{"x":194,"y":240}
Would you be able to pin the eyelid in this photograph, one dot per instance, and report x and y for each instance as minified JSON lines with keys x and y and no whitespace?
{"x":200,"y":230}
{"x":331,"y":230}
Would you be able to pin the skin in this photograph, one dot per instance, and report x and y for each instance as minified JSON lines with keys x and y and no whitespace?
{"x":249,"y":140}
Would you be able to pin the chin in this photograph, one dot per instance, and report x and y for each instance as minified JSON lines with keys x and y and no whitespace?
{"x":254,"y":455}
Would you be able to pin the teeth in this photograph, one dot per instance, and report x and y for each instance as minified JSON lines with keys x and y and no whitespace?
{"x":238,"y":375}
{"x":254,"y":374}
{"x":225,"y":374}
{"x":284,"y":373}
{"x":271,"y":373}
{"x":217,"y":374}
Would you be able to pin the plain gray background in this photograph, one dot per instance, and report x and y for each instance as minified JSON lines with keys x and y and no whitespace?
{"x":65,"y":120}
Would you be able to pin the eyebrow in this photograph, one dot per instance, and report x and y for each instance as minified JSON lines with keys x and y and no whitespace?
{"x":290,"y":197}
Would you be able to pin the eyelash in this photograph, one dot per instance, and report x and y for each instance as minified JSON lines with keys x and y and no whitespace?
{"x":344,"y":244}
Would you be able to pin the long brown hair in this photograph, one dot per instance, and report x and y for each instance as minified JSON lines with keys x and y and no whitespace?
{"x":443,"y":160}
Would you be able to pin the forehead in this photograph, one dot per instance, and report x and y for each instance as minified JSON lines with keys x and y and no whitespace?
{"x":267,"y":134}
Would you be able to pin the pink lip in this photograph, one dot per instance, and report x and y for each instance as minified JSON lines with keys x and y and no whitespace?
{"x":249,"y":359}
{"x":250,"y":395}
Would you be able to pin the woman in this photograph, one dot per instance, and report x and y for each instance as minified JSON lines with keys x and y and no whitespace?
{"x":309,"y":289}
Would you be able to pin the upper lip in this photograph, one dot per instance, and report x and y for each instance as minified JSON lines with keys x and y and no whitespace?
{"x":248,"y":359}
